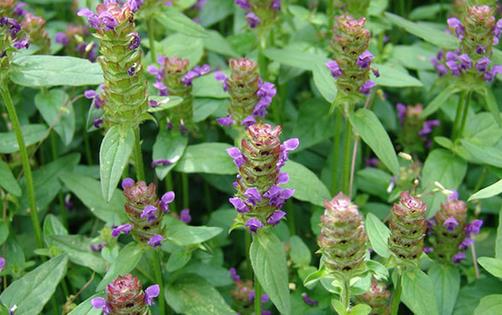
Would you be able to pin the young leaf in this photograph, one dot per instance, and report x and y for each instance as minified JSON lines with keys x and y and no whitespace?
{"x":164,"y":103}
{"x":418,"y":292}
{"x":86,"y":308}
{"x":8,"y":181}
{"x":184,"y":235}
{"x":498,"y":241}
{"x":4,"y":231}
{"x":174,"y":20}
{"x":114,"y":154}
{"x":31,"y":133}
{"x":439,"y":100}
{"x":269,"y":265}
{"x":31,"y":292}
{"x":169,"y":145}
{"x":78,"y":249}
{"x":489,"y":305}
{"x":300,"y":253}
{"x":52,"y":226}
{"x":378,"y":235}
{"x":308,"y":187}
{"x":485,"y":154}
{"x":324,"y":82}
{"x":57,"y":111}
{"x":296,"y":58}
{"x":393,"y":76}
{"x":492,"y":265}
{"x":178,"y":259}
{"x":446,"y":281}
{"x":209,"y":158}
{"x":45,"y":71}
{"x":125,"y":262}
{"x":367,"y":125}
{"x":193,"y":295}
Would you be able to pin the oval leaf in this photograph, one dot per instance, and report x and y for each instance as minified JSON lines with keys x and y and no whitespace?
{"x":209,"y":158}
{"x":125,"y":262}
{"x":378,"y":235}
{"x":308,"y":187}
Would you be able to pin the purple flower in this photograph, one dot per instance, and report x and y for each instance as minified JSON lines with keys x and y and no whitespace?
{"x":90,"y":94}
{"x":135,"y":41}
{"x":19,"y":9}
{"x":127,"y":182}
{"x":457,"y":26}
{"x":282,"y":178}
{"x":160,"y":162}
{"x":465,"y":61}
{"x":234,"y":275}
{"x":2,"y":263}
{"x":62,"y":39}
{"x":124,"y":228}
{"x":98,"y":122}
{"x":480,"y":50}
{"x":195,"y":73}
{"x":239,"y":205}
{"x":155,"y":240}
{"x":465,"y":243}
{"x":497,"y":30}
{"x":107,"y":20}
{"x":97,"y":247}
{"x":152,"y":292}
{"x":428,"y":250}
{"x":366,"y":87}
{"x":372,"y":162}
{"x":237,"y":156}
{"x":253,"y":195}
{"x":220,"y":76}
{"x":248,"y":121}
{"x":291,"y":144}
{"x":482,"y":64}
{"x":22,"y":43}
{"x":159,"y":85}
{"x":441,"y":69}
{"x":277,"y":196}
{"x":308,"y":300}
{"x":450,"y":224}
{"x":92,"y":18}
{"x":266,"y":89}
{"x":364,"y":59}
{"x":244,"y":4}
{"x":185,"y":216}
{"x":252,"y":19}
{"x":134,"y":5}
{"x":458,"y":257}
{"x":165,"y":200}
{"x":100,"y":304}
{"x":149,"y":213}
{"x":132,"y":70}
{"x":276,"y":5}
{"x":153,"y":70}
{"x":474,"y":227}
{"x":428,"y":126}
{"x":401,"y":112}
{"x":333,"y":67}
{"x":264,"y":298}
{"x":225,"y":121}
{"x":68,"y":203}
{"x":254,"y":224}
{"x":276,"y":217}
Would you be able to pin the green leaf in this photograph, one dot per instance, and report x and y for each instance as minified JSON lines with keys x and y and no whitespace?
{"x":8,"y":181}
{"x":31,"y":292}
{"x":269,"y":265}
{"x":324,"y":82}
{"x":31,"y":133}
{"x":485,"y":154}
{"x":126,"y":261}
{"x":446,"y":281}
{"x":367,"y":125}
{"x":498,"y":241}
{"x":393,"y":76}
{"x":209,"y":158}
{"x":174,"y":20}
{"x":492,"y":265}
{"x":55,"y":108}
{"x":178,"y":44}
{"x":44,"y":71}
{"x":413,"y":57}
{"x":87,"y":189}
{"x":439,"y":100}
{"x":425,"y":32}
{"x":300,"y":253}
{"x":491,"y":105}
{"x":178,"y":259}
{"x":296,"y":58}
{"x":418,"y":292}
{"x":52,"y":226}
{"x":114,"y":154}
{"x":378,"y":235}
{"x":184,"y":235}
{"x":193,"y":295}
{"x":4,"y":231}
{"x":360,"y":309}
{"x":78,"y":249}
{"x":308,"y":187}
{"x":489,"y":305}
{"x":86,"y":308}
{"x":169,"y":145}
{"x":164,"y":103}
{"x":445,"y":168}
{"x":217,"y":43}
{"x":208,"y":86}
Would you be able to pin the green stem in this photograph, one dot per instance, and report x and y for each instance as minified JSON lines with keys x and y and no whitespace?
{"x":87,"y":147}
{"x":157,"y":270}
{"x":186,"y":193}
{"x":257,"y":296}
{"x":465,"y":113}
{"x":345,"y":294}
{"x":247,"y":240}
{"x":458,"y":115}
{"x":353,"y":165}
{"x":11,"y":110}
{"x":347,"y":159}
{"x":396,"y":297}
{"x":170,"y":187}
{"x":290,"y":210}
{"x":335,"y":152}
{"x":151,"y":39}
{"x":138,"y":156}
{"x":331,"y":16}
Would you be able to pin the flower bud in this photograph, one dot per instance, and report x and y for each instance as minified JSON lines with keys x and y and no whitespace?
{"x":342,"y":240}
{"x":378,"y":297}
{"x":259,"y":198}
{"x":408,"y":227}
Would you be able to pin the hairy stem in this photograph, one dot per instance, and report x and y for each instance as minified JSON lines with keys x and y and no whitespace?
{"x":334,"y":152}
{"x":396,"y":297}
{"x":353,"y":165}
{"x":347,"y":159}
{"x":25,"y":160}
{"x":138,"y":156}
{"x":257,"y":296}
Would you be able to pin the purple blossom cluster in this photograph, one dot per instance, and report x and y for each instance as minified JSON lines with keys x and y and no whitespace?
{"x":250,"y":7}
{"x":72,"y":41}
{"x":97,"y":98}
{"x":13,"y":28}
{"x":244,"y":291}
{"x":110,"y":14}
{"x":411,"y":115}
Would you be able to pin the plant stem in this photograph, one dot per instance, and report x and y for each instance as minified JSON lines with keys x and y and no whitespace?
{"x":334,"y":152}
{"x":345,"y":294}
{"x":186,"y":193}
{"x":353,"y":165}
{"x":87,"y":147}
{"x":475,"y":259}
{"x":396,"y":297}
{"x":157,"y":270}
{"x":465,"y":113}
{"x":138,"y":156}
{"x":11,"y":110}
{"x":347,"y":157}
{"x":458,"y":115}
{"x":151,"y":39}
{"x":170,"y":187}
{"x":257,"y":296}
{"x":247,"y":241}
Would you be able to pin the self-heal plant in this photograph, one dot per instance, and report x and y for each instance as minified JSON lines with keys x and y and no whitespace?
{"x":415,"y":131}
{"x":260,"y":14}
{"x":125,"y":296}
{"x":250,"y":96}
{"x":260,"y":198}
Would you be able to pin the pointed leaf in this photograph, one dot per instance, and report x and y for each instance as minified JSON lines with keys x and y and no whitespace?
{"x":308,"y":187}
{"x":31,"y":133}
{"x":55,"y":108}
{"x":418,"y":292}
{"x":169,"y":145}
{"x":125,"y":262}
{"x":209,"y":158}
{"x":492,"y":265}
{"x":446,"y":281}
{"x":378,"y":235}
{"x":8,"y":181}
{"x":489,"y":305}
